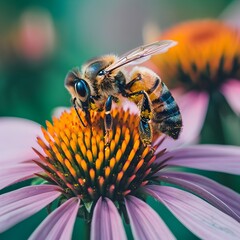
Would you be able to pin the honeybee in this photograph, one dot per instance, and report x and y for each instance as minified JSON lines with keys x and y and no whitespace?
{"x":104,"y":80}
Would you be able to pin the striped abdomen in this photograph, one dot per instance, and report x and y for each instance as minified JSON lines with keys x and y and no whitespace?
{"x":167,"y":117}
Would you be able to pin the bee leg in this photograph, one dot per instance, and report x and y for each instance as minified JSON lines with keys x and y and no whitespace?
{"x":108,"y":118}
{"x":75,"y":107}
{"x":145,"y":129}
{"x":85,"y":107}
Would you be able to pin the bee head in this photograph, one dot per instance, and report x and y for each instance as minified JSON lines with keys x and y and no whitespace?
{"x":76,"y":85}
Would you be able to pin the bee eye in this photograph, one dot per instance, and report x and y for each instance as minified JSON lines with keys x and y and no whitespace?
{"x":102,"y":73}
{"x":81,"y":88}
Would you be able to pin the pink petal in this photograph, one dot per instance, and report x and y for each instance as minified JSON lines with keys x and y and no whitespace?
{"x":193,"y":107}
{"x":59,"y":224}
{"x":131,"y":106}
{"x":230,"y":14}
{"x":218,"y":195}
{"x":106,"y":222}
{"x":167,"y":143}
{"x":15,"y":173}
{"x":17,"y":137}
{"x":20,"y":204}
{"x":204,"y":220}
{"x":231,"y":91}
{"x":57,"y":112}
{"x":206,"y":157}
{"x":145,"y":222}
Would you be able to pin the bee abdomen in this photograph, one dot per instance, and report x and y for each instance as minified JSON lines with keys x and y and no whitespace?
{"x":167,"y":115}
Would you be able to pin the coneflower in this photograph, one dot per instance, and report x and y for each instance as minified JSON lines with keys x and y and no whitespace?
{"x":103,"y":184}
{"x":203,"y":72}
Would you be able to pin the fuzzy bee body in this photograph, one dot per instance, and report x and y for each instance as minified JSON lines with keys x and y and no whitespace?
{"x":104,"y":80}
{"x":168,"y":120}
{"x":166,"y":114}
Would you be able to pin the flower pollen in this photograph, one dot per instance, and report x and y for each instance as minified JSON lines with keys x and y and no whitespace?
{"x":78,"y":160}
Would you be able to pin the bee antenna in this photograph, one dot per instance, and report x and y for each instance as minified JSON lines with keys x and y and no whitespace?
{"x":75,"y":107}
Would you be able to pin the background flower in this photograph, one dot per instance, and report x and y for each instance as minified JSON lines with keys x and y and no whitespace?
{"x":99,"y":183}
{"x":204,"y":68}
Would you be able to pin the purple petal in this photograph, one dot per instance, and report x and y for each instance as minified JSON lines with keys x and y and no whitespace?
{"x":15,"y":173}
{"x":59,"y":224}
{"x":204,"y":220}
{"x":218,"y":195}
{"x":145,"y":222}
{"x":17,"y":137}
{"x":167,"y":143}
{"x":128,"y":106}
{"x":193,"y":107}
{"x":57,"y":112}
{"x":17,"y":205}
{"x":206,"y":157}
{"x":106,"y":222}
{"x":231,"y":91}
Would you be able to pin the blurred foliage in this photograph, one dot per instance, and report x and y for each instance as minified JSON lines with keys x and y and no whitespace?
{"x":32,"y":81}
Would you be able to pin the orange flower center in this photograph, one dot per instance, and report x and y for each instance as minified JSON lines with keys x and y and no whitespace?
{"x":77,"y":159}
{"x":207,"y":54}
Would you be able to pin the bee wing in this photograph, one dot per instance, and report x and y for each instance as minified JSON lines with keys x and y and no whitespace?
{"x":142,"y":54}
